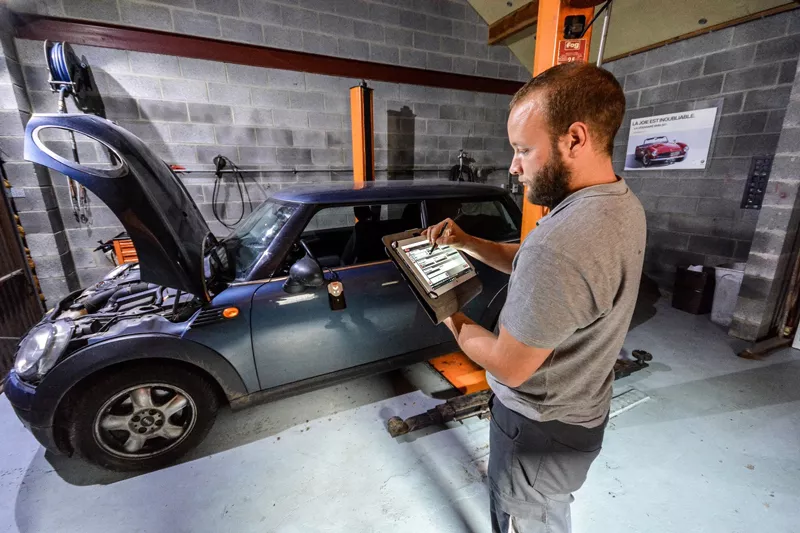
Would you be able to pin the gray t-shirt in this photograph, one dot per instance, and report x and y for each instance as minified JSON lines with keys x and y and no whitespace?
{"x":573,"y":288}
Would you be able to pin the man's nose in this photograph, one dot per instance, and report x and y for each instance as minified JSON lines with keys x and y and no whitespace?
{"x":515,"y":168}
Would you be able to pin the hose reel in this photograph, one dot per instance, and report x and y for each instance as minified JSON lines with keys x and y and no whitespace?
{"x":70,"y":77}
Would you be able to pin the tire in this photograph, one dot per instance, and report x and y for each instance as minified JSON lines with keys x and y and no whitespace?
{"x":646,"y":160}
{"x":112,"y":410}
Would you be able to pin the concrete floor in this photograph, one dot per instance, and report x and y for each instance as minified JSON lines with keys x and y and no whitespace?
{"x":716,"y":449}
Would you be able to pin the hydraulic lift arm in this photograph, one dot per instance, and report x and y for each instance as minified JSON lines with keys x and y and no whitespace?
{"x":477,"y":403}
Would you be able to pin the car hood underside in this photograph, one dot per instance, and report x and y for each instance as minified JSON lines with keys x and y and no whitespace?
{"x":151,"y":202}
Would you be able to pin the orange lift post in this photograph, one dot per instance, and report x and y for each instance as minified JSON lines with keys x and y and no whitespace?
{"x":363,"y":133}
{"x":551,"y":49}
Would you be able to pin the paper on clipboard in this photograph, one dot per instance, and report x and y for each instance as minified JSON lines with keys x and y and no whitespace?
{"x":440,"y":270}
{"x":450,"y":296}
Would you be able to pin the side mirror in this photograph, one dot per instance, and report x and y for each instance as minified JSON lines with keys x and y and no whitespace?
{"x":306,"y":273}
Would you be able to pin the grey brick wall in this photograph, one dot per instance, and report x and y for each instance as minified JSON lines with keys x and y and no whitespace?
{"x":774,"y":248}
{"x":694,"y":216}
{"x":34,"y":197}
{"x":446,"y":35}
{"x":274,"y":121}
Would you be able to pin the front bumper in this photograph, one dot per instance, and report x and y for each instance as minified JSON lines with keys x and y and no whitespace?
{"x":659,"y":158}
{"x":22,"y":397}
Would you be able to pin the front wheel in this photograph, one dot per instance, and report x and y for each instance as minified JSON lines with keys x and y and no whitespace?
{"x":143,"y":417}
{"x":646,"y":160}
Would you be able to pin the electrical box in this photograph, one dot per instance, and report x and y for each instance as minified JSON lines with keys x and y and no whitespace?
{"x":756,"y":185}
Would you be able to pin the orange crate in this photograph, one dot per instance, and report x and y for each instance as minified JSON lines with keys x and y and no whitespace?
{"x":125,"y":252}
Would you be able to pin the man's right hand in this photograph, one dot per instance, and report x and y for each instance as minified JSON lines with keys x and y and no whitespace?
{"x":451,"y":236}
{"x":497,"y":255}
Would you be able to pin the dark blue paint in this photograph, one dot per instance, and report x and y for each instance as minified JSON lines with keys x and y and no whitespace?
{"x":297,"y":337}
{"x":277,"y":339}
{"x":231,"y":337}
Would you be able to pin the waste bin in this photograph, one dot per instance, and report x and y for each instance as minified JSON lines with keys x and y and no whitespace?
{"x":728,"y":282}
{"x":693,"y":292}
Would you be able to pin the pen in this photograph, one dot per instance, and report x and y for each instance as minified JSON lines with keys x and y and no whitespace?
{"x":433,"y":246}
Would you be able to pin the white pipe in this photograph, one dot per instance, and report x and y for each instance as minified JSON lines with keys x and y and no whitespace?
{"x":603,"y":35}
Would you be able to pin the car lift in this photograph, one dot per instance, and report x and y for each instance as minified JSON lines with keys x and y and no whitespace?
{"x":477,"y":403}
{"x":562,"y":35}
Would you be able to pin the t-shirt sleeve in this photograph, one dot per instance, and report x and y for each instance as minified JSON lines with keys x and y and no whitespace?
{"x":548,"y":299}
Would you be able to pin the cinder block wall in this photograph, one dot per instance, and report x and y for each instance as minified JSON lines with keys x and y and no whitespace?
{"x":37,"y":205}
{"x":280,"y":121}
{"x":775,"y":244}
{"x":694,"y":216}
{"x":443,"y":35}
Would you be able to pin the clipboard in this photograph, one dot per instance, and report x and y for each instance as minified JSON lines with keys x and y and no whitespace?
{"x":437,"y":303}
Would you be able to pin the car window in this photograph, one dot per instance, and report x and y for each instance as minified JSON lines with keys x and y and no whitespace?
{"x":255,"y":233}
{"x":487,"y":219}
{"x":342,"y":236}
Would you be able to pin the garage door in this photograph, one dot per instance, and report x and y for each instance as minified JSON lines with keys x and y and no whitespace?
{"x":20,"y":307}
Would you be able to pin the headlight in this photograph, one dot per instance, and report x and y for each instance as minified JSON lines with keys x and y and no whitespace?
{"x":685,"y":149}
{"x":40,"y":349}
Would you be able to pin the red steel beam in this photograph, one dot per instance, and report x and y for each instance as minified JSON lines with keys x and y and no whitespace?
{"x":38,"y":27}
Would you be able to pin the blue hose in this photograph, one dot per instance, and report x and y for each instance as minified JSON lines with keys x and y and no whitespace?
{"x":58,"y":64}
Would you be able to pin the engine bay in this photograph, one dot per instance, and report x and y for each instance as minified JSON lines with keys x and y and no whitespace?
{"x":121,"y":304}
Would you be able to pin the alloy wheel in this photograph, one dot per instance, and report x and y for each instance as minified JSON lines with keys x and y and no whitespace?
{"x":144,"y":420}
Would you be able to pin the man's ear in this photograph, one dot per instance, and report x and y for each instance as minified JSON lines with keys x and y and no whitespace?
{"x":578,"y":138}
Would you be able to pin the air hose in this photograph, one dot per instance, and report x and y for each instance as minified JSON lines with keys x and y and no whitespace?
{"x":220,"y":162}
{"x":66,"y":78}
{"x":57,"y":64}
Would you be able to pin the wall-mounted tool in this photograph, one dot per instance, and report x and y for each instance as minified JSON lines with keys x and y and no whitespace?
{"x":70,"y":77}
{"x":756,"y":185}
{"x":462,"y":171}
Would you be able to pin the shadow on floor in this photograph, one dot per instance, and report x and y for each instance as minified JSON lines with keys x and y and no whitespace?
{"x":234,"y":429}
{"x":762,"y":386}
{"x":646,"y":302}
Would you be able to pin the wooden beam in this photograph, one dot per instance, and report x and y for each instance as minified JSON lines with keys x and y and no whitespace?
{"x":716,"y":27}
{"x":104,"y":35}
{"x":514,"y":22}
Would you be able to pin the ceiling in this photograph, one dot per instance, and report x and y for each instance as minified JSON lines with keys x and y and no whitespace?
{"x":634,"y":23}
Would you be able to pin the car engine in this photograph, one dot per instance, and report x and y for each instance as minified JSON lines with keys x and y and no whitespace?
{"x":121,"y":302}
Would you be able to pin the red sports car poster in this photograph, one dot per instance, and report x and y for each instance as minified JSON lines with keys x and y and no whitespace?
{"x":676,"y":141}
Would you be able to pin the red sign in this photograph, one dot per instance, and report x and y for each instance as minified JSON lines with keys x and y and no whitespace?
{"x":570,"y":50}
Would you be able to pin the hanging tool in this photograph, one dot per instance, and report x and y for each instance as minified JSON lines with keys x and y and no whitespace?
{"x":220,"y":162}
{"x":69,"y":77}
{"x":462,"y":171}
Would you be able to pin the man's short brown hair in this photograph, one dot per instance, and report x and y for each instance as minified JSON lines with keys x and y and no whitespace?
{"x":579,"y":92}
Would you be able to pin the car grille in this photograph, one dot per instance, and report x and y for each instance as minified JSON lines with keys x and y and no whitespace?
{"x":677,"y":152}
{"x":207,"y":317}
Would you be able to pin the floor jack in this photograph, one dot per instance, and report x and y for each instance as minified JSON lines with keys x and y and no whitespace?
{"x":477,"y":403}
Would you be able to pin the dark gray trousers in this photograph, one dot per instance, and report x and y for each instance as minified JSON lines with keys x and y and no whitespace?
{"x":534,"y":467}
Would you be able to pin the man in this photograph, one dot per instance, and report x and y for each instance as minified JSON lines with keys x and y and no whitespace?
{"x":573,"y":287}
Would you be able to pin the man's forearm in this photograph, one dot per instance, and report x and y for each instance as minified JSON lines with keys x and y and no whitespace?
{"x":497,"y":255}
{"x":476,"y":342}
{"x":504,"y":357}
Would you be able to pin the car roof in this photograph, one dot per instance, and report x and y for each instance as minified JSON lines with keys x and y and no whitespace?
{"x":384,"y":191}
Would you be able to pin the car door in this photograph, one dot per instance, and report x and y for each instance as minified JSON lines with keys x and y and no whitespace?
{"x":299,"y":336}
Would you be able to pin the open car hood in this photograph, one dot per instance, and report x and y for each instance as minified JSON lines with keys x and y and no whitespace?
{"x":153,"y":205}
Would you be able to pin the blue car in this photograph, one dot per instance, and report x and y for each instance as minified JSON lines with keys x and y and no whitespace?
{"x":129,"y":372}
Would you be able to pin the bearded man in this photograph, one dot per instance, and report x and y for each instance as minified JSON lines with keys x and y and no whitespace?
{"x":571,"y":295}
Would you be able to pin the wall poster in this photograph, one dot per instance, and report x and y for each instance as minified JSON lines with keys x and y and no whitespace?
{"x":677,"y":141}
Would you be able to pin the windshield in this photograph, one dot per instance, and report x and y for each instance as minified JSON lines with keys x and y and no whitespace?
{"x":657,"y":140}
{"x":256,"y":232}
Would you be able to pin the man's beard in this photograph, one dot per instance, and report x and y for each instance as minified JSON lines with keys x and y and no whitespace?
{"x":551,"y":184}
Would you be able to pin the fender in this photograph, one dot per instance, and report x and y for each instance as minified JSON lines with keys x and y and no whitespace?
{"x":95,"y":357}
